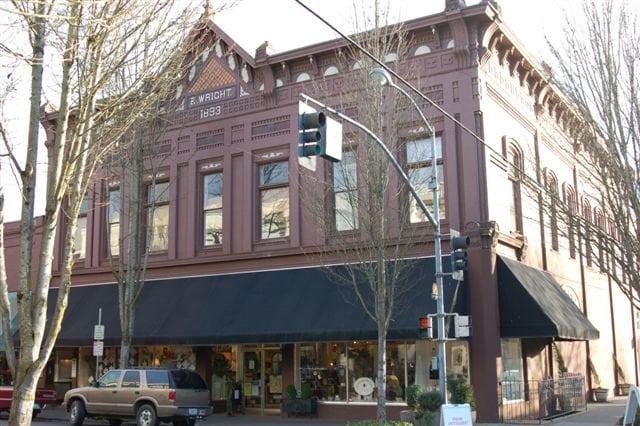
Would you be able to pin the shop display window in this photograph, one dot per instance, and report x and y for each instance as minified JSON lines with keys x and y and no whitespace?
{"x":223,"y":371}
{"x":347,"y":371}
{"x":150,"y":356}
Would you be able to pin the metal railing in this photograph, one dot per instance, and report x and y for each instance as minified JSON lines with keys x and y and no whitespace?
{"x":532,"y":401}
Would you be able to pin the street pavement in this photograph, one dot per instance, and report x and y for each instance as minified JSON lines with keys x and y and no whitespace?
{"x":597,"y":414}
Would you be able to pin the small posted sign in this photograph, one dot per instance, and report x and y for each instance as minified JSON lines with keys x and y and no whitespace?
{"x":98,"y":348}
{"x":456,"y":415}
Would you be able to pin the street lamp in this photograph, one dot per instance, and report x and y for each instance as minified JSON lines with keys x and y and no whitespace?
{"x":382,"y":76}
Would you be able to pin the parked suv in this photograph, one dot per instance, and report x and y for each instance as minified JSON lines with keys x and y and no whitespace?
{"x":148,"y":395}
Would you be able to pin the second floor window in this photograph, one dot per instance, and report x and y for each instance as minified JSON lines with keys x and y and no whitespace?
{"x":274,"y":200}
{"x":345,"y":188}
{"x":419,"y":164}
{"x":212,"y":209}
{"x":113,"y":217}
{"x":80,"y":240}
{"x":158,"y":216}
{"x":515,"y":168}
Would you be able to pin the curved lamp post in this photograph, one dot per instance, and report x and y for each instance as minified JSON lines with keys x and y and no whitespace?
{"x":381,"y":76}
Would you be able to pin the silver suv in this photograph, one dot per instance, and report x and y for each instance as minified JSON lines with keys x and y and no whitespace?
{"x":148,"y":395}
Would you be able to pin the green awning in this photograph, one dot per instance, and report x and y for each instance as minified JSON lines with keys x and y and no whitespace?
{"x":532,"y":304}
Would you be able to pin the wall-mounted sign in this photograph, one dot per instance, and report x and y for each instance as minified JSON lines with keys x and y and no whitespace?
{"x":213,"y":96}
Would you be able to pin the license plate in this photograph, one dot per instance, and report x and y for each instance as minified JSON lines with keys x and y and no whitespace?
{"x":193,"y":411}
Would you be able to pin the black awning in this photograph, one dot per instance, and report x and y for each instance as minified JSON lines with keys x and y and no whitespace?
{"x":293,"y":305}
{"x":532,"y":304}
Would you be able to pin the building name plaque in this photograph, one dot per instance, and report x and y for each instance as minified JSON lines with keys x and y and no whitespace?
{"x":213,"y":96}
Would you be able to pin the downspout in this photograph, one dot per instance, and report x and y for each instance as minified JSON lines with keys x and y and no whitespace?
{"x":583,"y":286}
{"x":543,"y":244}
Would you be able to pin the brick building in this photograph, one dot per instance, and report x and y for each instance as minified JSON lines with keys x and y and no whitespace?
{"x":231,"y":289}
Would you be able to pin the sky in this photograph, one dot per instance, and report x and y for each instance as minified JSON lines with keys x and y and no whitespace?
{"x":287,"y":25}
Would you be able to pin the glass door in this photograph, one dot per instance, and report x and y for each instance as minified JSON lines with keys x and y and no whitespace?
{"x":273,"y":377}
{"x":253,"y":378}
{"x":262,"y":378}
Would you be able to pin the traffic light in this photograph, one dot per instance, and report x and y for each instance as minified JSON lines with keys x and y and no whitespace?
{"x":459,"y":247}
{"x":425,"y":328}
{"x":319,"y":134}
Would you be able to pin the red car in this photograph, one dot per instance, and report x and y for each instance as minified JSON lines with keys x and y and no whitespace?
{"x":44,"y":396}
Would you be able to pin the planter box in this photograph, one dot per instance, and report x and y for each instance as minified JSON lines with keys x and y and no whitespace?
{"x":600,"y":394}
{"x":300,"y":407}
{"x":622,"y":389}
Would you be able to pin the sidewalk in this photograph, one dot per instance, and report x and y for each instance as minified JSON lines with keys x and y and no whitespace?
{"x":597,"y":414}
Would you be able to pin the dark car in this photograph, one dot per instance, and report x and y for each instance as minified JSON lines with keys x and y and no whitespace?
{"x":148,"y":395}
{"x":44,"y":396}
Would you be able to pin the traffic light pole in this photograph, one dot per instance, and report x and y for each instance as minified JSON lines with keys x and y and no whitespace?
{"x":434,"y":218}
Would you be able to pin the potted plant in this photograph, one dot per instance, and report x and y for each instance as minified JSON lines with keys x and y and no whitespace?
{"x":412,"y":402}
{"x":461,"y":391}
{"x":600,"y":394}
{"x":429,"y":404}
{"x":622,"y":388}
{"x":299,"y":404}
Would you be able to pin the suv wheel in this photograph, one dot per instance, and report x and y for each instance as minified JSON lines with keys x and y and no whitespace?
{"x":146,"y":416}
{"x":77,"y":413}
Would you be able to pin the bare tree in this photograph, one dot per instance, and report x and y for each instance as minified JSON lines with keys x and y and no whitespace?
{"x":114,"y":67}
{"x":597,"y":67}
{"x":366,"y":213}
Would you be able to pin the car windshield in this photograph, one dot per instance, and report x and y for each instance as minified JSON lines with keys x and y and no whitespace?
{"x":110,"y":380}
{"x":185,"y":379}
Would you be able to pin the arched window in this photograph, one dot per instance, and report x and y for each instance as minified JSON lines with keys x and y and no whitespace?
{"x":331,"y":70}
{"x":303,"y":77}
{"x":515,"y":167}
{"x":391,"y":57}
{"x":571,"y":203}
{"x":357,"y":65}
{"x":601,"y":225}
{"x":279,"y":82}
{"x":422,"y":50}
{"x":587,"y":234}
{"x":552,"y":192}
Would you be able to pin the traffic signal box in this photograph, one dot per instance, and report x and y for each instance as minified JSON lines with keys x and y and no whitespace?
{"x":319,"y":135}
{"x":425,"y":328}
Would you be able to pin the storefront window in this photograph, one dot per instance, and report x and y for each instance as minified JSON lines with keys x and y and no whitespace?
{"x":347,"y":372}
{"x":150,"y":356}
{"x":223,"y":371}
{"x":512,"y":374}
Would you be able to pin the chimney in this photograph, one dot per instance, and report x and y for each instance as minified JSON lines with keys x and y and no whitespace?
{"x":209,"y":9}
{"x":451,"y":5}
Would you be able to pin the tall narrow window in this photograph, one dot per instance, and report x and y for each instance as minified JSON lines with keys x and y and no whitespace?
{"x":512,"y":370}
{"x":113,"y":217}
{"x":515,"y":166}
{"x":158,"y":216}
{"x":572,"y":209}
{"x":212,"y":209}
{"x":345,"y":188}
{"x":274,"y":200}
{"x":80,"y":240}
{"x":586,"y":214}
{"x":552,"y":188}
{"x":602,"y":234}
{"x":419,"y":164}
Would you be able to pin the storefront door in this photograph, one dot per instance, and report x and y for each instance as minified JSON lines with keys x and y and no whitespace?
{"x":262,"y":377}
